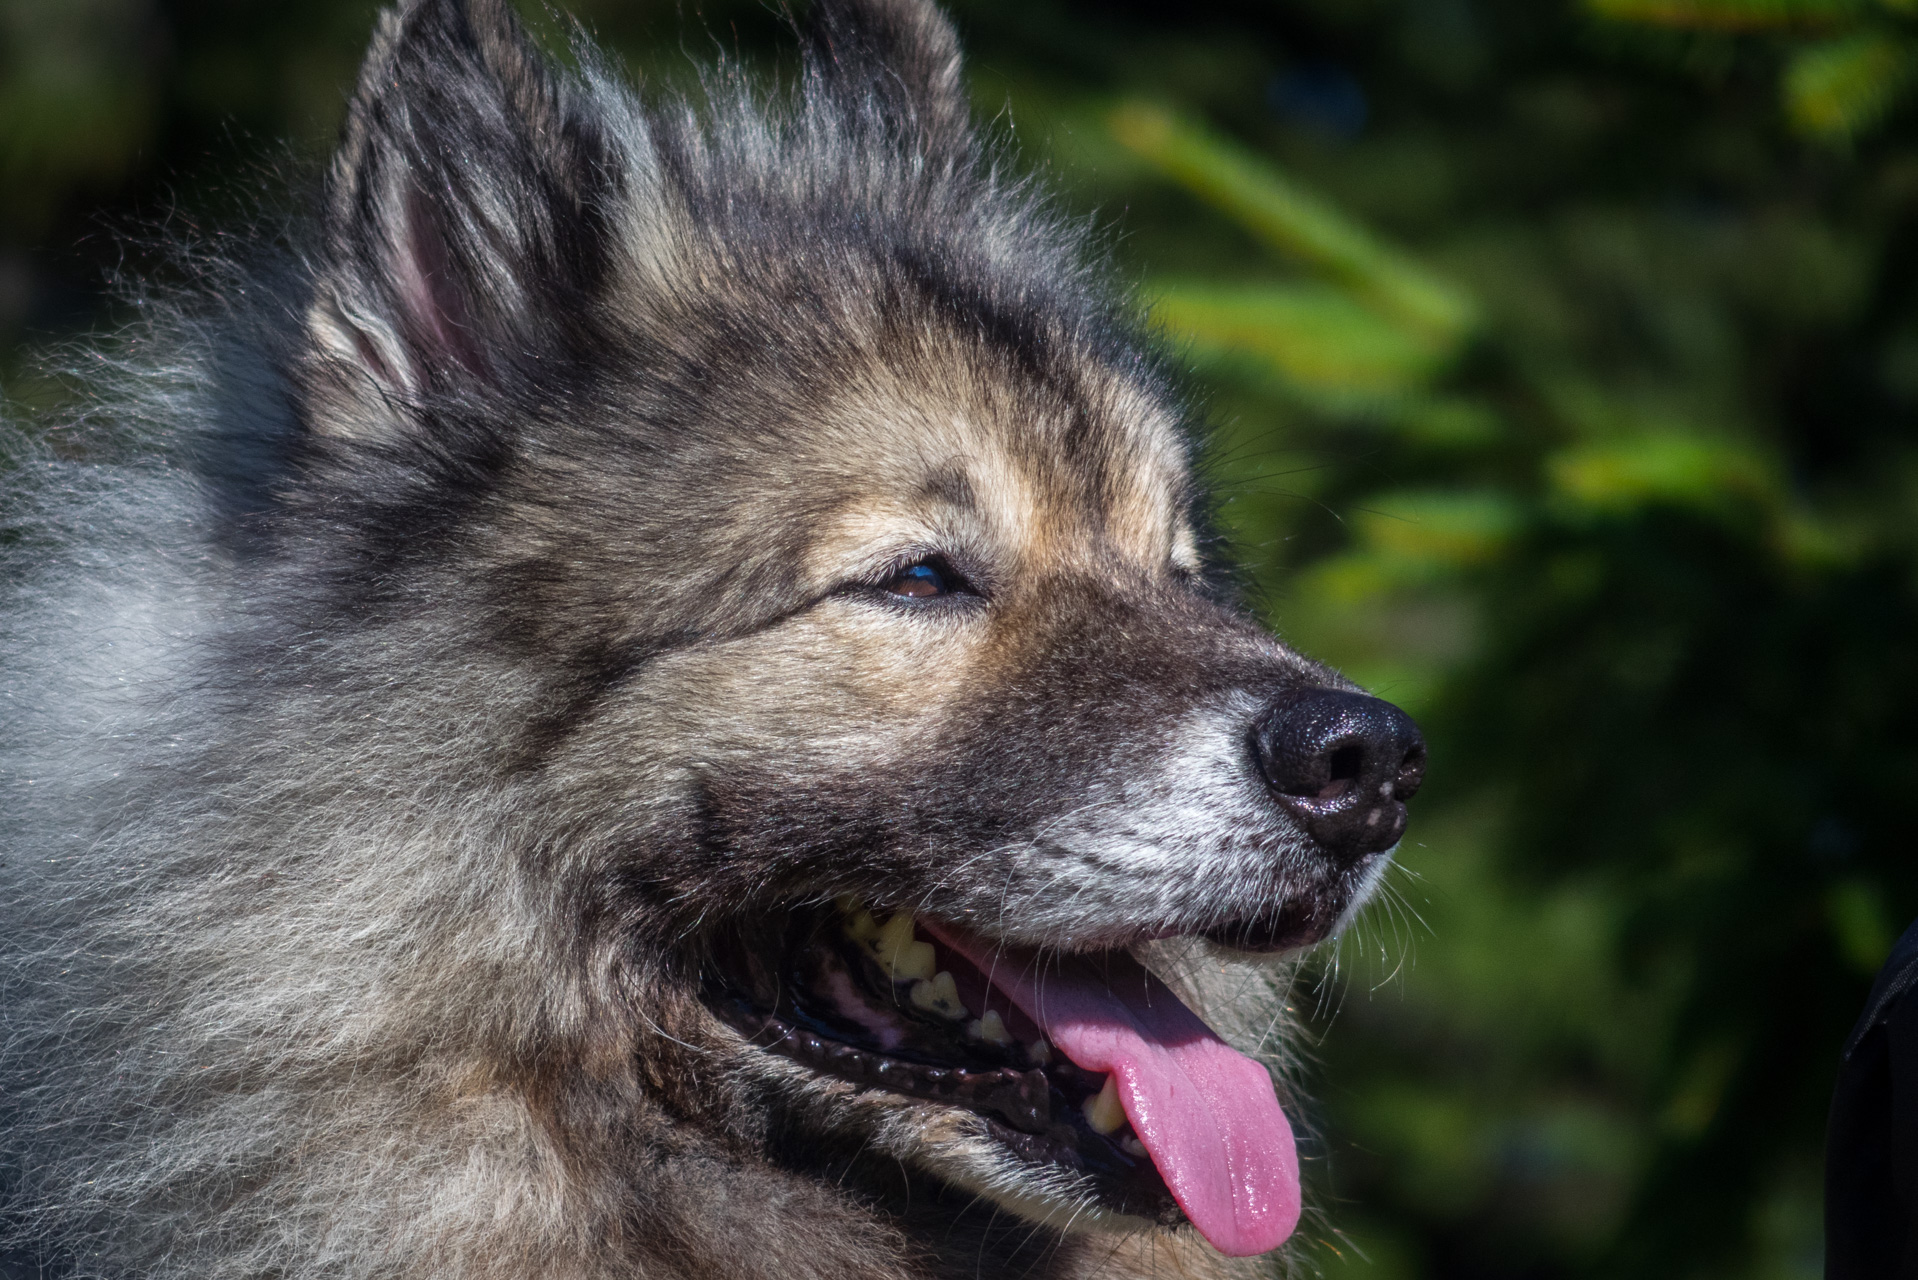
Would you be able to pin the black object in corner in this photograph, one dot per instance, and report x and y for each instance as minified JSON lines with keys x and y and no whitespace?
{"x":1871,"y":1140}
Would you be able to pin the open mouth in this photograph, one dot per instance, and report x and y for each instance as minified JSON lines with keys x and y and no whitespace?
{"x":1081,"y":1062}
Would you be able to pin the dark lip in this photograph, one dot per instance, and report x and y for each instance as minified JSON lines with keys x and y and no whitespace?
{"x":1294,"y":925}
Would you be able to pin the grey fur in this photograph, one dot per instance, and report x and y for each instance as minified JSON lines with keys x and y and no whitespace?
{"x":371,"y":801}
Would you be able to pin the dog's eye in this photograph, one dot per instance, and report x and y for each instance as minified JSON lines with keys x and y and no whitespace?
{"x":925,"y":580}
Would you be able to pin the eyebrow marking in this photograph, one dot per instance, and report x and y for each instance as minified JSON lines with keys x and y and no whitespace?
{"x":950,"y":484}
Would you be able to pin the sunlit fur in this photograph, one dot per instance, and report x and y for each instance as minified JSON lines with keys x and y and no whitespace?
{"x":427,"y":634}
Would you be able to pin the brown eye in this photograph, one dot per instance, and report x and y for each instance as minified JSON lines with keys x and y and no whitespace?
{"x":925,"y":580}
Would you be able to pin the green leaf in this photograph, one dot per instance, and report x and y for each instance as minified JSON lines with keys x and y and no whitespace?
{"x":1294,"y":220}
{"x":1454,"y":528}
{"x":1838,"y":88}
{"x":1673,"y":470}
{"x":1699,"y":1094}
{"x":1417,"y":539}
{"x":1729,"y":15}
{"x":1314,"y":335}
{"x":1859,"y":924}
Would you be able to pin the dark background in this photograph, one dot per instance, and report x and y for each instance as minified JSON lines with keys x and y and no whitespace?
{"x":1563,"y":361}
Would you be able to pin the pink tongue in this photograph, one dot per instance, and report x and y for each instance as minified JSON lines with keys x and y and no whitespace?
{"x":1206,"y":1113}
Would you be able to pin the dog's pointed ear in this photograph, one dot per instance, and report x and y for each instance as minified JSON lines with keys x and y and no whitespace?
{"x":900,"y":57}
{"x":466,"y":221}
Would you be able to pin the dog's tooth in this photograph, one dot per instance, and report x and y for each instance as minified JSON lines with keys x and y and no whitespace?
{"x":893,"y":937}
{"x":913,"y":963}
{"x":990,"y":1027}
{"x":1131,"y":1145}
{"x":1103,"y":1111}
{"x":859,"y":925}
{"x":1039,"y":1052}
{"x":957,"y":1010}
{"x":905,"y":958}
{"x":898,"y":950}
{"x":895,"y":933}
{"x":939,"y":994}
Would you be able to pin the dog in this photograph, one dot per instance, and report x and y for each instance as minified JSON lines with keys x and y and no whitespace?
{"x":648,"y":695}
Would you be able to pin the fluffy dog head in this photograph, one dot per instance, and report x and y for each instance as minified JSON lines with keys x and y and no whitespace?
{"x":730,"y":728}
{"x":831,"y":525}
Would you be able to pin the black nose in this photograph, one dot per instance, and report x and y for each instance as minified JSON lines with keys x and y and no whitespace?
{"x":1344,"y":764}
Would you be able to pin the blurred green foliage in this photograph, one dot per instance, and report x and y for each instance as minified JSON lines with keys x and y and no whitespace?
{"x":1563,"y":356}
{"x":1837,"y":86}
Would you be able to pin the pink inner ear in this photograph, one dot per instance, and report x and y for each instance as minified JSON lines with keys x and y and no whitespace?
{"x":438,"y":322}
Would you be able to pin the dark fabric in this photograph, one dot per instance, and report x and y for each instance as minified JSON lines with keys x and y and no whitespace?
{"x":1871,"y":1140}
